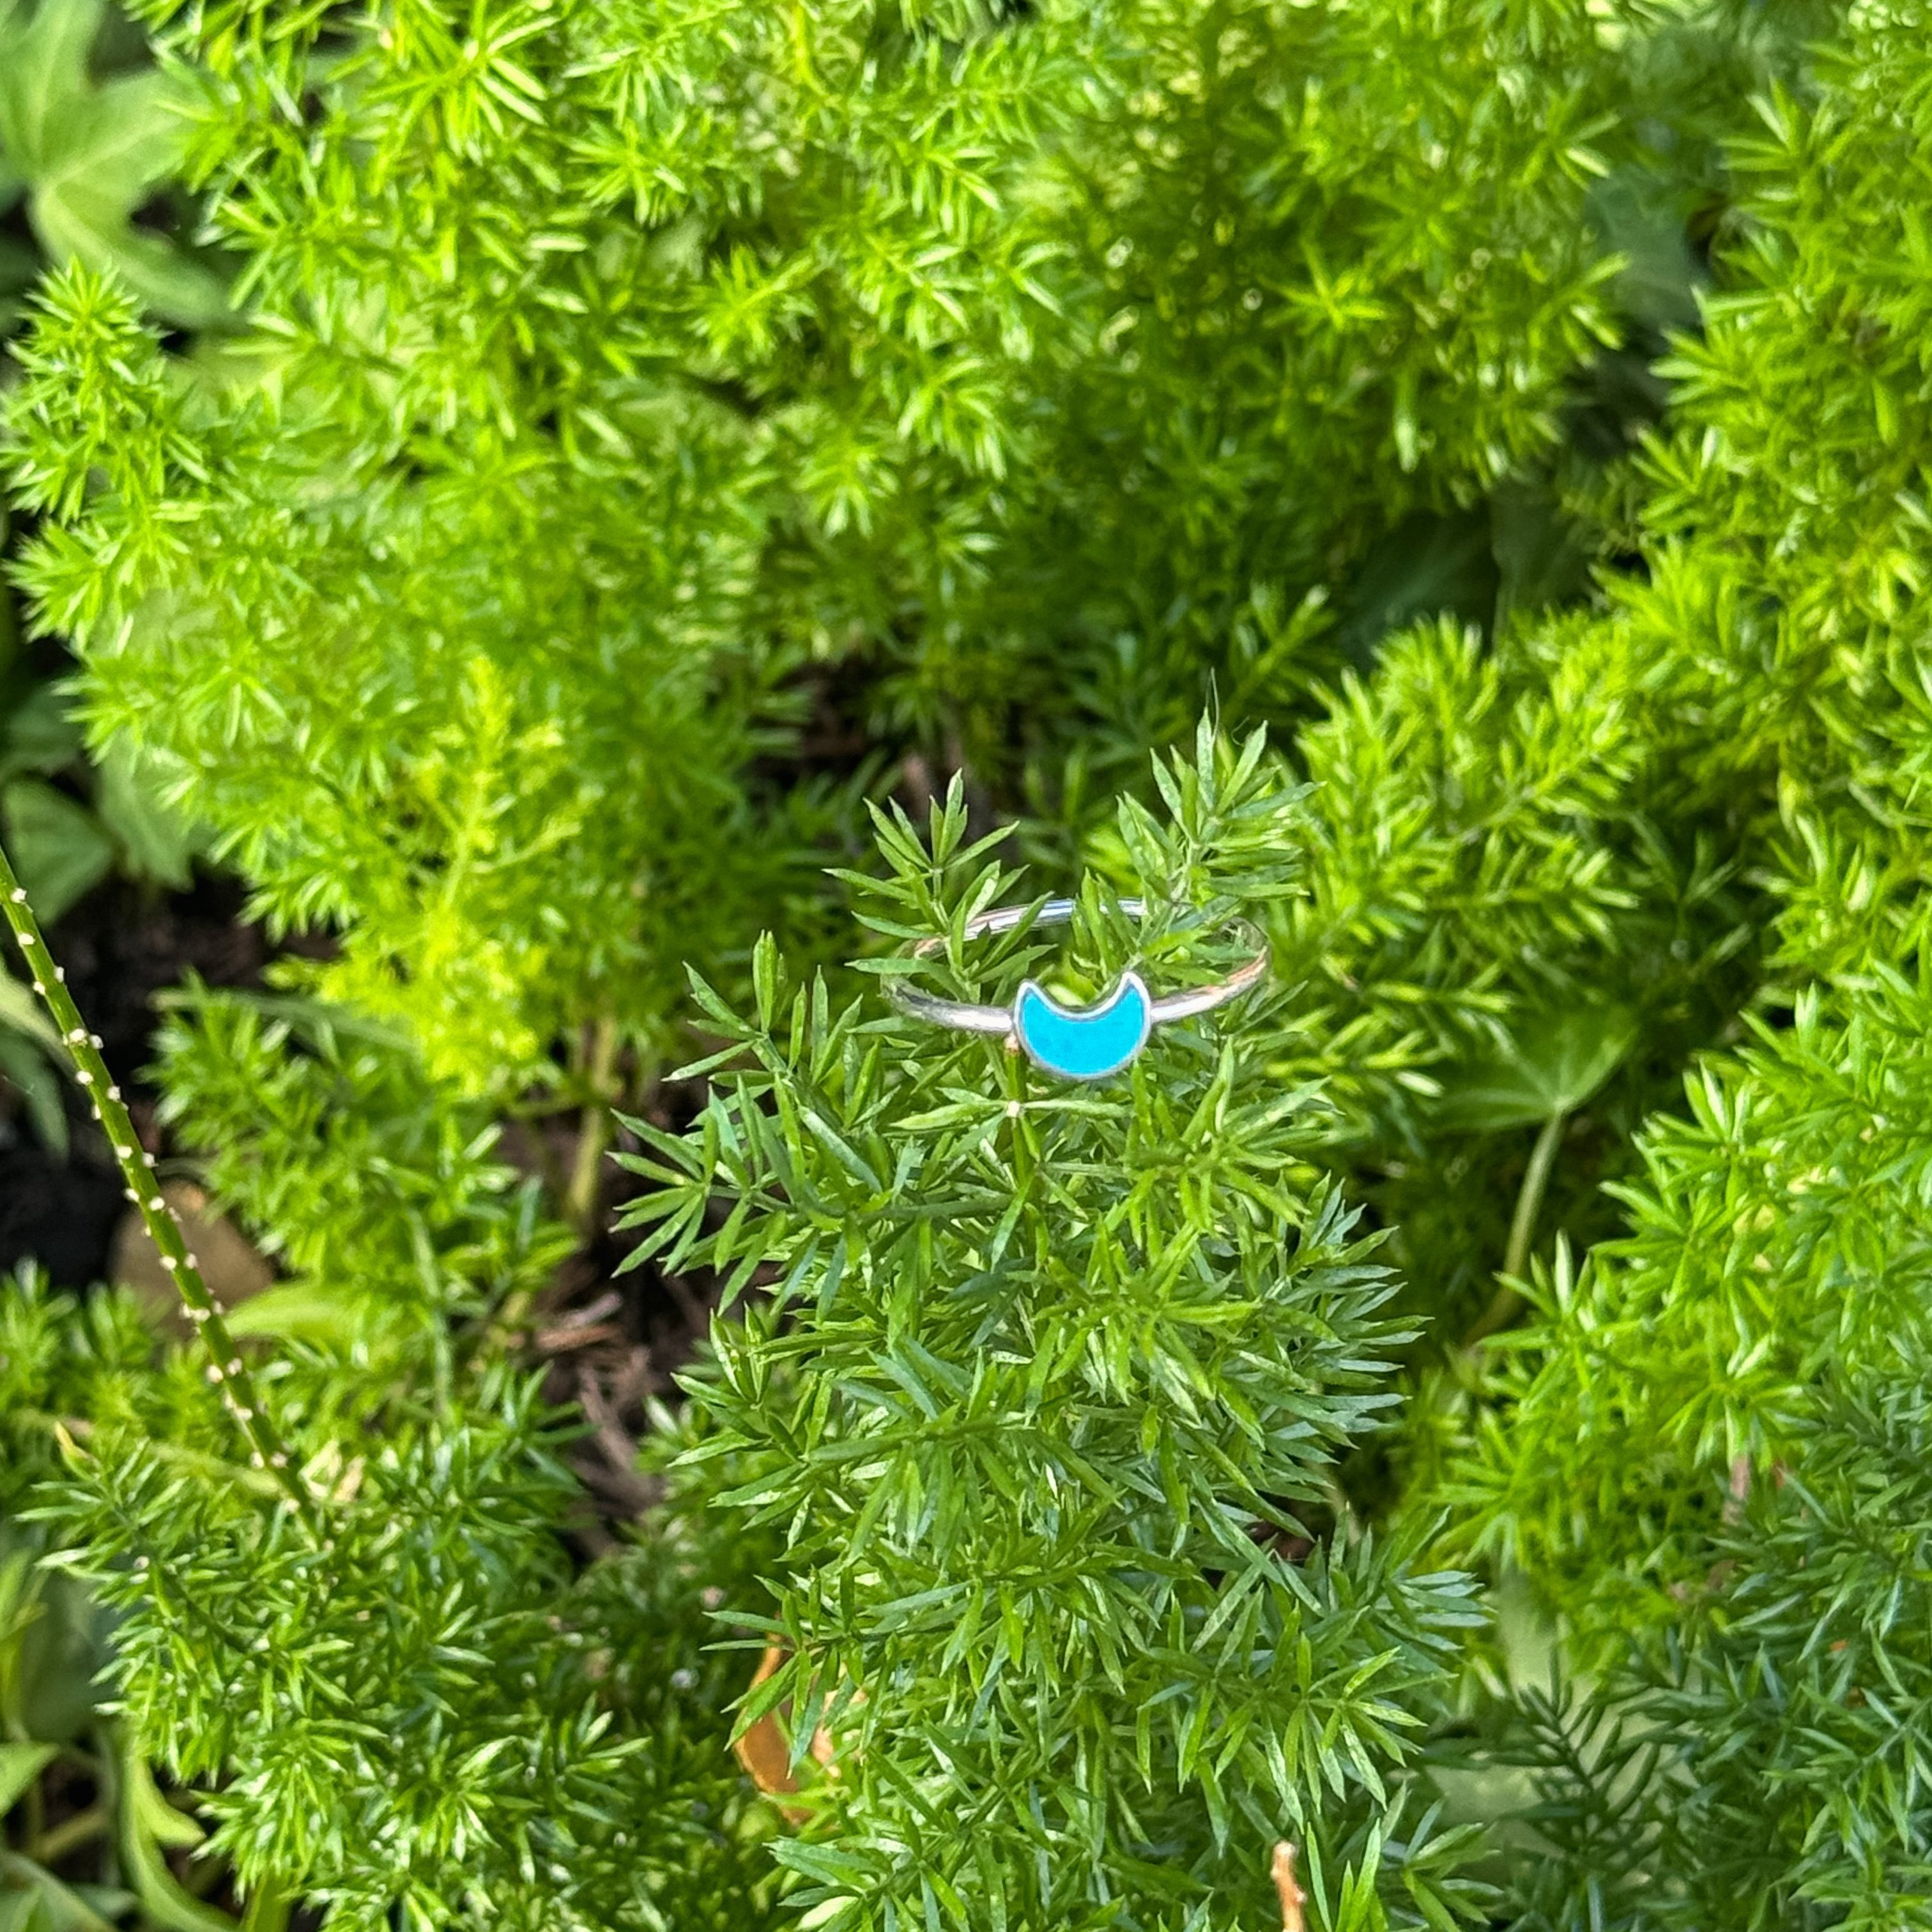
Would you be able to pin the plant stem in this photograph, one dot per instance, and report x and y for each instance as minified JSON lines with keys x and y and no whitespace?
{"x":36,"y":1802}
{"x":49,"y":1848}
{"x":1508,"y":1300}
{"x":267,"y":1908}
{"x":226,"y":1368}
{"x":580,"y":1201}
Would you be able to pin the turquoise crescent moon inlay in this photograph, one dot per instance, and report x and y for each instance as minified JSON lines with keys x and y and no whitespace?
{"x":1088,"y":1043}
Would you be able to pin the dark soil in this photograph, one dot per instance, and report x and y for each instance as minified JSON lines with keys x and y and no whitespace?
{"x":121,"y":946}
{"x":613,"y":1338}
{"x":610,"y":1338}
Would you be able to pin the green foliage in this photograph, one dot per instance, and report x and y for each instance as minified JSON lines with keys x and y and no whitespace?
{"x":490,"y":1743}
{"x":375,"y":1192}
{"x":58,"y":1359}
{"x":651,"y":430}
{"x":1036,"y":1369}
{"x":80,"y":156}
{"x":30,"y":1059}
{"x":64,"y":848}
{"x":1707,"y":1451}
{"x":421,"y":1714}
{"x":628,"y":368}
{"x":85,"y":155}
{"x":60,"y":1363}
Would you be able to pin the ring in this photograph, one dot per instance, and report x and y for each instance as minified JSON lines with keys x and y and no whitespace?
{"x":1074,"y":1042}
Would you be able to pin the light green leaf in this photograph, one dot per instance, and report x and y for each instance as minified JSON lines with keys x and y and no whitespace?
{"x":43,"y":79}
{"x":123,"y":137}
{"x":1554,"y":1066}
{"x":157,"y":1816}
{"x":90,"y":155}
{"x":59,"y":849}
{"x":77,"y":218}
{"x":111,"y":1901}
{"x":294,"y":1310}
{"x":145,"y":1816}
{"x":20,"y":1766}
{"x":21,"y":1911}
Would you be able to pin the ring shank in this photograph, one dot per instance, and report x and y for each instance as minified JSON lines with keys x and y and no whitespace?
{"x":967,"y":1016}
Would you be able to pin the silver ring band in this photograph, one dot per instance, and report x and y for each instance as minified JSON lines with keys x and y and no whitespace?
{"x":1010,"y":1020}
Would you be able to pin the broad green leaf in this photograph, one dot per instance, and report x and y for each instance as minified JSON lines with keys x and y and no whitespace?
{"x":123,"y":137}
{"x":145,"y":1814}
{"x":49,"y":1904}
{"x":157,"y":1816}
{"x":111,"y":1901}
{"x":1639,"y":220}
{"x":22,"y":1012}
{"x":294,"y":1310}
{"x":1554,"y":1066}
{"x":89,"y":156}
{"x":58,"y":848}
{"x":20,"y":1766}
{"x":37,"y":735}
{"x":19,"y":263}
{"x":43,"y":79}
{"x":24,"y":1067}
{"x":1427,"y":564}
{"x":158,"y":841}
{"x":79,"y":217}
{"x":22,"y":1911}
{"x":1539,"y":558}
{"x":60,"y":1646}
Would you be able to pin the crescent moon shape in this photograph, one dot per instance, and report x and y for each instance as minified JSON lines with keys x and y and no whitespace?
{"x":1084,"y":1044}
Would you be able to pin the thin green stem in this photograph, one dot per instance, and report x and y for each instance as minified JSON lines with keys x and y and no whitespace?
{"x":267,"y":1908}
{"x":594,"y":1133}
{"x":1529,"y":1197}
{"x":36,"y":1803}
{"x":50,"y":1847}
{"x":1508,"y":1299}
{"x":225,"y":1368}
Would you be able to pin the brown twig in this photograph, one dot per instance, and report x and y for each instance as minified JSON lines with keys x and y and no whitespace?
{"x":619,"y":1472}
{"x":1293,"y":1898}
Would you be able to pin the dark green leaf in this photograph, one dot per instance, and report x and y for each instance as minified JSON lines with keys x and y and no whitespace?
{"x":1554,"y":1066}
{"x":58,"y":848}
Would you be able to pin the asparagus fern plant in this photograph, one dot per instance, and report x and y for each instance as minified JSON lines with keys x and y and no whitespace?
{"x":1047,"y":1399}
{"x":652,"y":431}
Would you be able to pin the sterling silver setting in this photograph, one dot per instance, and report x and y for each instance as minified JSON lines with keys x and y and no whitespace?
{"x":1074,"y":1042}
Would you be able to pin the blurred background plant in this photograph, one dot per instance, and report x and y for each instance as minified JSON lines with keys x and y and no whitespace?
{"x":90,"y":135}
